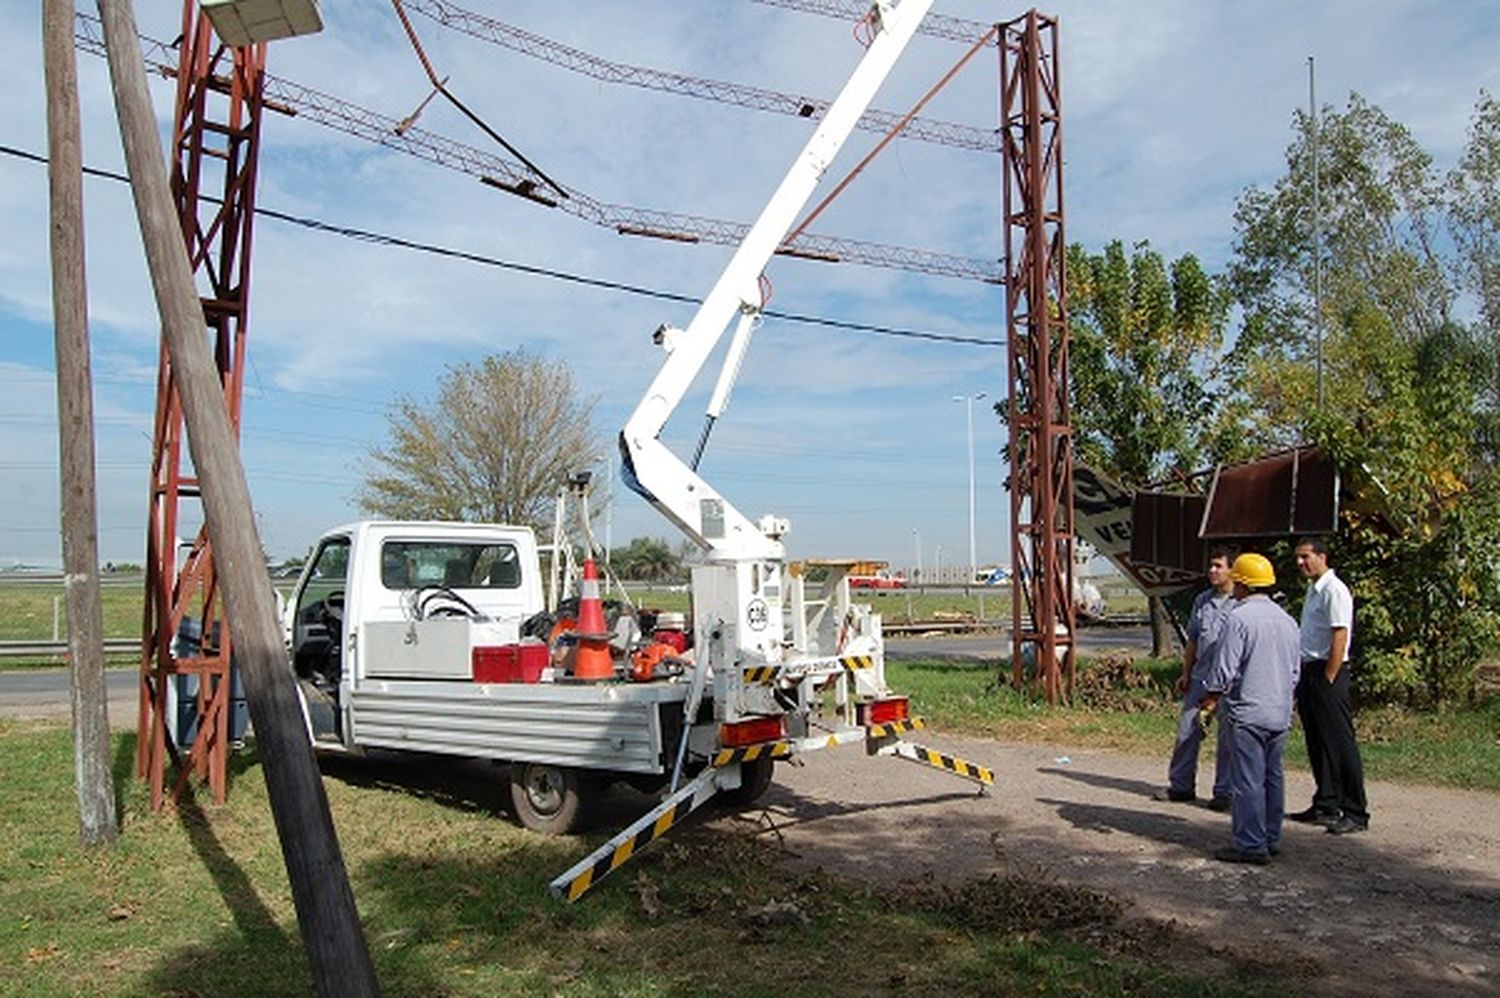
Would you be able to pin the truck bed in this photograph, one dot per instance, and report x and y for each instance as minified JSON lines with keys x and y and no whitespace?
{"x":604,"y":726}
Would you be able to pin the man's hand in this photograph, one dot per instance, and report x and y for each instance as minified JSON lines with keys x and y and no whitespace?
{"x":1182,"y":683}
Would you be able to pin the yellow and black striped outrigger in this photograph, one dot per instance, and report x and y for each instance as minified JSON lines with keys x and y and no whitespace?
{"x":923,"y":755}
{"x":642,"y":832}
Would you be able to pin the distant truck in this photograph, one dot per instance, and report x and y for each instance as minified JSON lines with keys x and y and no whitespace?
{"x":875,"y":575}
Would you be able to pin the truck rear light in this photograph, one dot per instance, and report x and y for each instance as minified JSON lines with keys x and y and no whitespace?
{"x":884,"y":711}
{"x":752,"y":731}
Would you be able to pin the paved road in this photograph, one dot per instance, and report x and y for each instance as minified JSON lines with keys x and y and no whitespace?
{"x":44,"y":693}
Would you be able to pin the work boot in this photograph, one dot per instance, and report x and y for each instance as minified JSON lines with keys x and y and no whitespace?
{"x":1221,"y":804}
{"x":1229,"y":854}
{"x":1175,"y":796}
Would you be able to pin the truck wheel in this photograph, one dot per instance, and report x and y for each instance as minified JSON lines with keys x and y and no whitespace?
{"x":555,"y":800}
{"x":755,"y":779}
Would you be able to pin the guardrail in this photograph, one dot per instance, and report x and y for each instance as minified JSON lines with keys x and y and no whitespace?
{"x":59,"y":649}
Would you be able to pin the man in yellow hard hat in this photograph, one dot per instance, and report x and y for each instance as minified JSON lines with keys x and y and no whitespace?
{"x":1254,"y":679}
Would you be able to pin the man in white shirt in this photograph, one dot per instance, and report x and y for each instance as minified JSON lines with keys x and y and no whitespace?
{"x":1323,"y":701}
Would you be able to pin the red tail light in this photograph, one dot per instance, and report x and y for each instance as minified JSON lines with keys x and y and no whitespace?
{"x":884,"y":711}
{"x":752,"y":731}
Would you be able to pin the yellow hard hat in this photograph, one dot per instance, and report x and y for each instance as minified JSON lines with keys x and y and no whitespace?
{"x":1253,"y":570}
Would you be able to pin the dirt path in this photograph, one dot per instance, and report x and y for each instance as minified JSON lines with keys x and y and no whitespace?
{"x":1410,"y":907}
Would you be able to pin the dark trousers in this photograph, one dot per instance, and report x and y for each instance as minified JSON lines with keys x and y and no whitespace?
{"x":1328,"y":724}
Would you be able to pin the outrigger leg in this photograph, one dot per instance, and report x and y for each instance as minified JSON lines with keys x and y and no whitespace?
{"x":884,"y":740}
{"x":642,"y":832}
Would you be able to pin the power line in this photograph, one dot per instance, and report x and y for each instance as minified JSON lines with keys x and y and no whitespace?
{"x":383,"y":239}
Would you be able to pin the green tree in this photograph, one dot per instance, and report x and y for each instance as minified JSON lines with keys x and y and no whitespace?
{"x":1474,"y":216}
{"x":649,"y":559}
{"x":1381,"y":217}
{"x":1145,"y":339}
{"x":494,"y":447}
{"x":1403,"y":411}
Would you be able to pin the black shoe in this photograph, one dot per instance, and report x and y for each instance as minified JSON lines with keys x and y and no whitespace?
{"x":1313,"y":816}
{"x":1348,"y":826}
{"x":1274,"y":850}
{"x":1175,"y":796}
{"x":1229,"y":854}
{"x":1221,"y":804}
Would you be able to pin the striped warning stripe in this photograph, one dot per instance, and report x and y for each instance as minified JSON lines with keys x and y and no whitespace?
{"x":938,"y":760}
{"x":897,"y":727}
{"x":621,"y":853}
{"x":763,"y":675}
{"x":750,"y":753}
{"x":853,"y":663}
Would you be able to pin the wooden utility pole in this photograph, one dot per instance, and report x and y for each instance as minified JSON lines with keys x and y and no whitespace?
{"x":326,"y":914}
{"x":94,"y":782}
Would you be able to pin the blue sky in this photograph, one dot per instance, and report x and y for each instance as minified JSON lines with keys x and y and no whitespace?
{"x":1171,"y":110}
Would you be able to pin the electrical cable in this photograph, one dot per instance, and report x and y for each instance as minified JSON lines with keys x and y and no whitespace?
{"x":604,"y":284}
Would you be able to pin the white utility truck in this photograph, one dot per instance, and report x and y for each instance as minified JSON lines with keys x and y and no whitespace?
{"x":416,"y":635}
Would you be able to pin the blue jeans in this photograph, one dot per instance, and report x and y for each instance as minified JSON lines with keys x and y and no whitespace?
{"x":1182,"y":771}
{"x":1259,"y":788}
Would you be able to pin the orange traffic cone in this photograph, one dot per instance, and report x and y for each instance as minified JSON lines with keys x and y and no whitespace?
{"x":593,"y":659}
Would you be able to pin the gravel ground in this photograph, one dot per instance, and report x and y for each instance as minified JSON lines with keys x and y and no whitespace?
{"x":1410,"y":907}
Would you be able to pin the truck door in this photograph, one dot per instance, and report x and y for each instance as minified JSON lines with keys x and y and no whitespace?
{"x":318,"y":616}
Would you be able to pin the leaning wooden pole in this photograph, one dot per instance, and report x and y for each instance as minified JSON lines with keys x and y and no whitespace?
{"x":93,"y":780}
{"x":326,"y":914}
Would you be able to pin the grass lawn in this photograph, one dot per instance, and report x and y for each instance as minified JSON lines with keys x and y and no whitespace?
{"x":1136,"y":712}
{"x":452,"y":897}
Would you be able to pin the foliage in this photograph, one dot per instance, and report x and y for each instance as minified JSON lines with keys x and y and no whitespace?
{"x":1380,"y":212}
{"x":1144,"y":338}
{"x":647,"y":559}
{"x":1408,"y":394}
{"x":495,"y":446}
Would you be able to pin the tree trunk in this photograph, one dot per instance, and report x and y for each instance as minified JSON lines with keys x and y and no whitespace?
{"x":1161,"y":629}
{"x":97,"y":824}
{"x":326,"y":915}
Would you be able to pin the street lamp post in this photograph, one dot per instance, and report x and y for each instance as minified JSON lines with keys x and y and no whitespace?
{"x":968,"y":401}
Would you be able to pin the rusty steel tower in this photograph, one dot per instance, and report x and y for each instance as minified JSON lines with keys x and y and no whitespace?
{"x":215,"y":145}
{"x":1041,"y":433}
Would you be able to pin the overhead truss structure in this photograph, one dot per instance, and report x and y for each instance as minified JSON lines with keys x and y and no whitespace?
{"x":215,"y":142}
{"x":506,"y":173}
{"x":1041,"y":432}
{"x":488,"y":29}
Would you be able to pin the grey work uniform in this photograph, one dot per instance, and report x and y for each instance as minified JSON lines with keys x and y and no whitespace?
{"x":1255,"y":670}
{"x":1205,"y":623}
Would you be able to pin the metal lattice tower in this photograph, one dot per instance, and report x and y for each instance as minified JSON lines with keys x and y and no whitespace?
{"x":215,"y":141}
{"x":1041,"y":432}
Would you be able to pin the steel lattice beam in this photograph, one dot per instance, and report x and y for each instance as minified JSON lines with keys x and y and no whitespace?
{"x":1041,"y":433}
{"x":953,"y":29}
{"x":508,"y":174}
{"x":495,"y":32}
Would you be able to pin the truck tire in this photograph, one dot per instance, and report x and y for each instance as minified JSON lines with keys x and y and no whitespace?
{"x":554,"y":800}
{"x":755,"y":779}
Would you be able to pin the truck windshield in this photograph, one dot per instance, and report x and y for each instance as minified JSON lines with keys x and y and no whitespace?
{"x":475,"y":565}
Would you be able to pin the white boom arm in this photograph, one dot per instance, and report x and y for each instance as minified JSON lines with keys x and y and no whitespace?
{"x":650,"y":468}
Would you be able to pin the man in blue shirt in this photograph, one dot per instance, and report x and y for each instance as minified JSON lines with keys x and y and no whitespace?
{"x":1205,"y":621}
{"x":1323,"y":700}
{"x":1252,"y":681}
